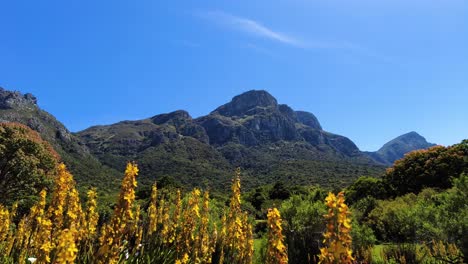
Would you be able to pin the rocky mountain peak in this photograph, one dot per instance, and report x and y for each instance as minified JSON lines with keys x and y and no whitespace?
{"x":412,"y":137}
{"x":177,"y":118}
{"x":13,"y":99}
{"x":409,"y":140}
{"x":396,"y":148}
{"x":247,"y":103}
{"x":308,"y":119}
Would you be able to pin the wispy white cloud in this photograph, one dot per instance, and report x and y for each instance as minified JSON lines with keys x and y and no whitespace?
{"x":255,"y":28}
{"x":249,"y":26}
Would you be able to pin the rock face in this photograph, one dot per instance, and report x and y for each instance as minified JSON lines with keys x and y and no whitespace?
{"x":10,"y":100}
{"x":268,"y":140}
{"x":308,"y":119}
{"x":255,"y":118}
{"x":248,"y":103}
{"x":398,"y":147}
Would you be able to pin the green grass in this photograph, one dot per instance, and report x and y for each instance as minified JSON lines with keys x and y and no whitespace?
{"x":377,"y":252}
{"x":259,"y":243}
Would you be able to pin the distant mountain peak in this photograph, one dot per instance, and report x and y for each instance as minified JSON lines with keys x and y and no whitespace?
{"x":396,"y":148}
{"x":244,"y":103}
{"x":412,"y":140}
{"x":14,"y":99}
{"x":412,"y":133}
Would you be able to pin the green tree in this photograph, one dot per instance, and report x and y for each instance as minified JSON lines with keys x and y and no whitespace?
{"x":279,"y":191}
{"x":303,"y":218}
{"x":364,"y":187}
{"x":27,"y":164}
{"x":393,"y":220}
{"x":427,"y":168}
{"x":453,"y":211}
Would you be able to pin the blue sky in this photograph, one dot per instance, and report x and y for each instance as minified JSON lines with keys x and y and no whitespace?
{"x":369,"y":70}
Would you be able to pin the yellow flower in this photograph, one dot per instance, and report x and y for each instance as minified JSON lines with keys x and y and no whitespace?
{"x":66,"y":248}
{"x":4,"y":223}
{"x":276,"y":251}
{"x":236,"y":231}
{"x":92,"y":215}
{"x":152,"y":210}
{"x":337,"y":238}
{"x":122,"y":222}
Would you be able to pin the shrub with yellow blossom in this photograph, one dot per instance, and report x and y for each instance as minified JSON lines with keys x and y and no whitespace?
{"x":174,"y":230}
{"x":92,"y":216}
{"x":152,"y":210}
{"x":237,"y":237}
{"x":276,"y":251}
{"x":113,"y":235}
{"x":443,"y":252}
{"x":66,"y":248}
{"x":337,"y":238}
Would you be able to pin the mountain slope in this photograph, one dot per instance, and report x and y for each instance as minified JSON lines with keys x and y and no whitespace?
{"x":396,"y":148}
{"x":170,"y":145}
{"x":269,"y":141}
{"x":88,"y":171}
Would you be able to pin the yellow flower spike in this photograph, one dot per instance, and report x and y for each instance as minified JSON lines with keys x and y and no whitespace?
{"x":63,"y":184}
{"x":204,"y":243}
{"x":165,"y":232}
{"x":236,"y":231}
{"x":122,"y":222}
{"x":337,"y":238}
{"x":162,"y":205}
{"x":92,"y":215}
{"x":276,"y":251}
{"x":66,"y":248}
{"x":191,"y":216}
{"x":175,"y":218}
{"x":46,"y":243}
{"x":4,"y":223}
{"x":152,"y":210}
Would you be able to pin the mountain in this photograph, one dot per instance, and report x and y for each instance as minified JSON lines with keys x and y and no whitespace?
{"x":88,"y":171}
{"x":269,"y":141}
{"x":171,"y":145}
{"x":396,"y":148}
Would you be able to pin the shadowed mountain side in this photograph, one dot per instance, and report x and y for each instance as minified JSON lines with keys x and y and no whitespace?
{"x":396,"y":148}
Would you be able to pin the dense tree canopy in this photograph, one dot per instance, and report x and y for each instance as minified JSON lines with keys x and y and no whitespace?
{"x":366,"y":186}
{"x":26,"y":163}
{"x":428,"y":168}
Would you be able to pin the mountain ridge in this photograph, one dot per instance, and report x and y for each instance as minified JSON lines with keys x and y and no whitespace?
{"x":252,"y":131}
{"x":270,"y":141}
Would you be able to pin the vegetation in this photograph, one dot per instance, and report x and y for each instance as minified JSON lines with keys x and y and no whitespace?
{"x":337,"y":238}
{"x":27,"y":165}
{"x":417,"y":212}
{"x":276,"y":253}
{"x":62,"y":232}
{"x":433,"y":167}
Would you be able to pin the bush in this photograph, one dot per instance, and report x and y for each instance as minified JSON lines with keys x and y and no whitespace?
{"x":403,"y":253}
{"x":304,"y":224}
{"x":27,"y":165}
